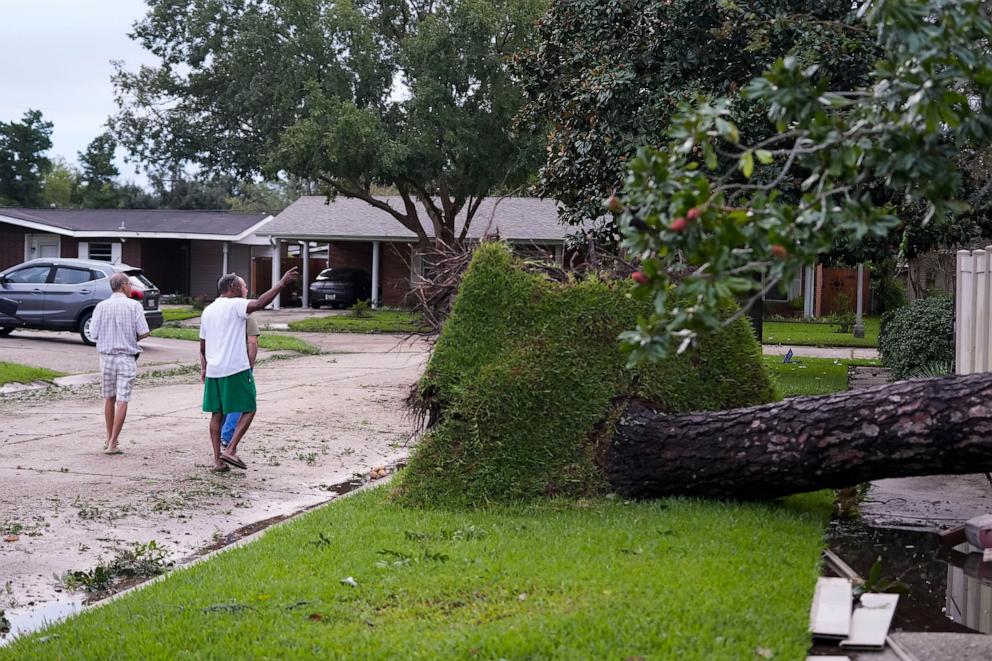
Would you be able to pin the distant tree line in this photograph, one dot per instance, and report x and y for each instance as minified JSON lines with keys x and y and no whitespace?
{"x":30,"y":178}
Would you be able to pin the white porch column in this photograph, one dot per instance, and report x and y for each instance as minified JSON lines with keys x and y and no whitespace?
{"x":306,"y":275}
{"x":859,"y":322}
{"x":276,"y":270}
{"x":226,"y":249}
{"x":560,"y":255}
{"x":808,"y":293}
{"x":375,"y":274}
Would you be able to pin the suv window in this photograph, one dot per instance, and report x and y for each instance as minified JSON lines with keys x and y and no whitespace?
{"x":31,"y":275}
{"x":69,"y":276}
{"x":140,"y":281}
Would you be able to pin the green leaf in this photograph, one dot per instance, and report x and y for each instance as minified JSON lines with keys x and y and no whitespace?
{"x":764,"y":156}
{"x":746,"y":164}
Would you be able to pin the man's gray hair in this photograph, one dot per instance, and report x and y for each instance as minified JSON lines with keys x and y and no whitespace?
{"x":227,"y":283}
{"x":118,"y":280}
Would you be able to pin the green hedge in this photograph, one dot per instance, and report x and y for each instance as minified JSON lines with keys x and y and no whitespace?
{"x":525,"y":372}
{"x":917,"y":337}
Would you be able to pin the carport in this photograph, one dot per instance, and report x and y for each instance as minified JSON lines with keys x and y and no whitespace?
{"x":358,"y":235}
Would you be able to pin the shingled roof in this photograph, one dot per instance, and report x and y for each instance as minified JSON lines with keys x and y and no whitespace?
{"x":165,"y":223}
{"x":513,"y":218}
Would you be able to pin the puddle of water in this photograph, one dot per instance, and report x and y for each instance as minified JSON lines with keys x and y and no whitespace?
{"x":949,"y":590}
{"x":27,"y":620}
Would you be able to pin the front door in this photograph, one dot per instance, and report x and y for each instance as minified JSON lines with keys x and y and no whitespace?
{"x":26,"y":286}
{"x":42,"y":246}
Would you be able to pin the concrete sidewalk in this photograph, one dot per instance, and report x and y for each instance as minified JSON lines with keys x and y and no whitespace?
{"x":842,"y":353}
{"x":321,"y":420}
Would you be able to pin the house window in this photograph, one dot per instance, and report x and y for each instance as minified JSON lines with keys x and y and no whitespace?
{"x":103,"y":252}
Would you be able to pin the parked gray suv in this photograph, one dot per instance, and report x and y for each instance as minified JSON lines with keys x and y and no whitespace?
{"x":60,"y":294}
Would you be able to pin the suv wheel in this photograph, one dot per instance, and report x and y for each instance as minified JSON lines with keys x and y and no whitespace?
{"x":6,"y":330}
{"x":84,"y":329}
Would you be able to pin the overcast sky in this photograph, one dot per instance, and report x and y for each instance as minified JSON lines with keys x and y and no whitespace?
{"x":55,"y":57}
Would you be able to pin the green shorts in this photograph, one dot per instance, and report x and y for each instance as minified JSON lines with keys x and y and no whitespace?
{"x":229,"y":394}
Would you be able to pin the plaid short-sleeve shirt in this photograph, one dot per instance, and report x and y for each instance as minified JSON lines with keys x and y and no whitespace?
{"x":116,"y":324}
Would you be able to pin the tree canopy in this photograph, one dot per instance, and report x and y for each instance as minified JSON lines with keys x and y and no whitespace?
{"x":708,"y":212}
{"x":413,"y":94}
{"x":23,"y":163}
{"x":607,"y":76}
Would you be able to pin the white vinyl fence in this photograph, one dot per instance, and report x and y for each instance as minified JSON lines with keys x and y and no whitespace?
{"x":972,"y":310}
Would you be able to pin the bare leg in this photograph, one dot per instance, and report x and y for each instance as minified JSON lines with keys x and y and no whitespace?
{"x":108,"y":416}
{"x":216,"y":422}
{"x":120,"y":413}
{"x":243,"y":424}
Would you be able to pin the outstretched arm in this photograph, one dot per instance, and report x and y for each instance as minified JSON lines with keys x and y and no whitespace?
{"x":269,"y":296}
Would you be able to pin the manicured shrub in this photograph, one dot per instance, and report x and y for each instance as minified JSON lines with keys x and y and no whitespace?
{"x":527,"y":372}
{"x":917,"y":335}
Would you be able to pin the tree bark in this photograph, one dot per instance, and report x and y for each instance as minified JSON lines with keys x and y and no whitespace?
{"x":924,"y":427}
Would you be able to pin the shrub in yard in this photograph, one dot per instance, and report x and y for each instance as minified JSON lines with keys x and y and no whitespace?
{"x":527,"y":372}
{"x":917,"y":335}
{"x":361,"y":309}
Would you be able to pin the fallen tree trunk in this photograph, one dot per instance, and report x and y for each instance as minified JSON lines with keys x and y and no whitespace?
{"x":923,"y":427}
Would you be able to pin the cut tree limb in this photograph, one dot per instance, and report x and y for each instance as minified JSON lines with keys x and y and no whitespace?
{"x":923,"y":427}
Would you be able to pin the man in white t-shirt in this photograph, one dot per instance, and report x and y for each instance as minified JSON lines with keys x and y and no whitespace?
{"x":228,"y":385}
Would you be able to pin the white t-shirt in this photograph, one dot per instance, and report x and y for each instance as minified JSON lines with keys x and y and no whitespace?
{"x":222,"y":325}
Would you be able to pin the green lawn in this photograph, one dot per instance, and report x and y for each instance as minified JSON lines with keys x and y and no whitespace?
{"x":378,"y":321}
{"x":180,"y":313}
{"x":811,"y":376}
{"x":602,"y":579}
{"x":270,"y":341}
{"x":17,"y":373}
{"x":799,"y":333}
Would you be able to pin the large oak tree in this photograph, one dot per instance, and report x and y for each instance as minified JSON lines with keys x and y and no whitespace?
{"x":410,"y":94}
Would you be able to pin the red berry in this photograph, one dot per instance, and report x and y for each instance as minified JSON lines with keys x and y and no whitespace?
{"x":694,"y":213}
{"x":679,"y":224}
{"x":613,"y":204}
{"x":780,"y":251}
{"x":640,"y":277}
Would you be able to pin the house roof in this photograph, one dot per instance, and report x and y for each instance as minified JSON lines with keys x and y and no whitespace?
{"x":521,"y":219}
{"x":128,"y":223}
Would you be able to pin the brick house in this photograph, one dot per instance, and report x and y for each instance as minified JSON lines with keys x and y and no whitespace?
{"x":352,"y":233}
{"x":182,"y":251}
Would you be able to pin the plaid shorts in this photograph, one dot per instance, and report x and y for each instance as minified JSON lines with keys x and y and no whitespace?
{"x":119,"y":372}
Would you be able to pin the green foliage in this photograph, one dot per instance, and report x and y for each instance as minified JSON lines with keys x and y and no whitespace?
{"x":61,"y":184}
{"x":706,"y":221}
{"x":843,"y":318}
{"x":23,"y":163}
{"x":361,"y":309}
{"x":817,"y":333}
{"x":140,"y":560}
{"x":526,"y":368}
{"x":918,"y":335}
{"x":17,"y":373}
{"x":609,"y":75}
{"x":890,"y":292}
{"x":179,"y":314}
{"x":309,"y":88}
{"x":377,"y":321}
{"x":99,"y":188}
{"x":809,"y":376}
{"x":599,"y":579}
{"x":267,"y":341}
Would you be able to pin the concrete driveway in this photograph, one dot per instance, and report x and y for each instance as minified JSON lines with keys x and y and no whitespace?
{"x":65,"y":352}
{"x":321,"y":420}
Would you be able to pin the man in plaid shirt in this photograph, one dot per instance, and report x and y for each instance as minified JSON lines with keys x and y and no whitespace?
{"x":118,"y":324}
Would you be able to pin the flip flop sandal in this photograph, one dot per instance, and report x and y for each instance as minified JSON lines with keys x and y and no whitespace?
{"x":220,"y":469}
{"x":113,"y":450}
{"x":237,"y":463}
